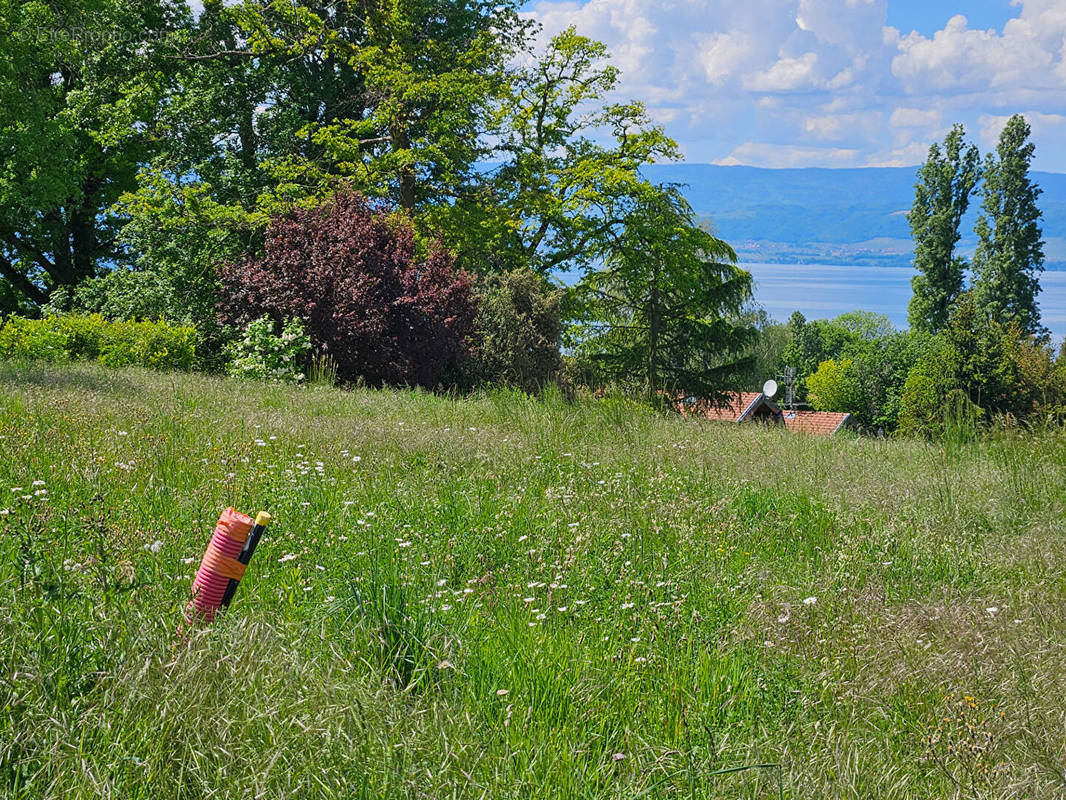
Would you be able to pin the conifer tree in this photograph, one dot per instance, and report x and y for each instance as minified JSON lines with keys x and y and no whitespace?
{"x":1010,"y":250}
{"x":941,"y":198}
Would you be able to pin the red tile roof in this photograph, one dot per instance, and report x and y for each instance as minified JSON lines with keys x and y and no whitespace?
{"x":735,"y":408}
{"x":819,"y":423}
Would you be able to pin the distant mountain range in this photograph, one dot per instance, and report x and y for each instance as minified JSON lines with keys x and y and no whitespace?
{"x":831,"y":216}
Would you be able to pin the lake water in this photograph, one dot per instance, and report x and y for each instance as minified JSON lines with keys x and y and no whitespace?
{"x":821,"y":292}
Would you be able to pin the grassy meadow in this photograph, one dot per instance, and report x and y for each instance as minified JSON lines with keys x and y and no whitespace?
{"x":501,"y":597}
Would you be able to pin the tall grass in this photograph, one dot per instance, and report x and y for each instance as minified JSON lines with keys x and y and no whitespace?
{"x":504,"y":597}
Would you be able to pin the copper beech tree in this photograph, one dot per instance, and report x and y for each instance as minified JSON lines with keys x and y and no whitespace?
{"x":353,"y":274}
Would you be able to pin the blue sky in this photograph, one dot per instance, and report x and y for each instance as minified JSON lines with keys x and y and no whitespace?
{"x":931,"y":16}
{"x":833,"y":83}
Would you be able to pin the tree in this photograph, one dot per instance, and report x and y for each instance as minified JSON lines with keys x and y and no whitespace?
{"x":987,"y":360}
{"x":837,"y":386}
{"x":1010,"y":250}
{"x":767,"y":349}
{"x":278,"y":105}
{"x":941,"y":198}
{"x":351,"y":274}
{"x":429,"y":71}
{"x":929,"y":383}
{"x":811,"y":343}
{"x":568,"y":166}
{"x":865,"y":325}
{"x":662,"y":312}
{"x":518,"y":331}
{"x":80,"y":84}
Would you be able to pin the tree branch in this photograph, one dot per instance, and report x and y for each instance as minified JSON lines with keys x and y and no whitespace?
{"x":21,"y":282}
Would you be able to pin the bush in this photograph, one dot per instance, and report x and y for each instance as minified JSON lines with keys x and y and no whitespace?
{"x":122,"y":295}
{"x":926,"y":391}
{"x":351,"y":273}
{"x":30,"y":340}
{"x":115,"y":344}
{"x":837,"y":386}
{"x":519,"y":328}
{"x":264,"y":355}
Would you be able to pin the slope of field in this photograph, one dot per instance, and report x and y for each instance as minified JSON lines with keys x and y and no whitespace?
{"x":845,"y":216}
{"x":498,"y":597}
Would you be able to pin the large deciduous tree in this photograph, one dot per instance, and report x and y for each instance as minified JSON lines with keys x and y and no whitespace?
{"x":663,"y":310}
{"x":567,"y":165}
{"x":1010,"y":251}
{"x":80,"y":84}
{"x":942,"y":195}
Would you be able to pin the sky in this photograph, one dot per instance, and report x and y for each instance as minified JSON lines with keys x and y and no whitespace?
{"x":832,"y":83}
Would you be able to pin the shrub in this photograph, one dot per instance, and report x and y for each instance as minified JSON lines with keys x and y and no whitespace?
{"x":519,"y":329}
{"x":928,"y":385}
{"x":30,"y":340}
{"x":264,"y":355}
{"x":124,"y":294}
{"x":837,"y":386}
{"x":116,"y":344}
{"x":147,"y":344}
{"x":351,"y":273}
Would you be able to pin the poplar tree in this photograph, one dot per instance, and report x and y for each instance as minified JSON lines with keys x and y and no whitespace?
{"x":942,"y":195}
{"x":1010,"y":250}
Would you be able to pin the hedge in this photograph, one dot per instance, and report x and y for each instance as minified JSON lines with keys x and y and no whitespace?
{"x":156,"y":345}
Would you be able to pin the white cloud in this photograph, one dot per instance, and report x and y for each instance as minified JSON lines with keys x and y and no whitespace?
{"x":729,"y":77}
{"x":1043,"y":126}
{"x":722,"y":52}
{"x":788,"y":74}
{"x":841,"y":127}
{"x":777,"y":156}
{"x":915,"y":118}
{"x":1027,"y":54}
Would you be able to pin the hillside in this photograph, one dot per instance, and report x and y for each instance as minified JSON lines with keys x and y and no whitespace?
{"x":831,"y":216}
{"x":499,"y":597}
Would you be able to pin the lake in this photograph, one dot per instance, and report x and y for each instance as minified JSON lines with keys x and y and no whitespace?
{"x":822,"y":292}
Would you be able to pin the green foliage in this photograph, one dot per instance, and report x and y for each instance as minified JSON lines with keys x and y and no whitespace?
{"x":31,"y":340}
{"x":262,"y":354}
{"x":866,"y":325}
{"x":879,"y":358}
{"x":997,"y":368}
{"x":1010,"y":250}
{"x":926,"y":390}
{"x":942,"y":196}
{"x":664,"y":311}
{"x":767,"y":348}
{"x":559,"y":196}
{"x":837,"y":386}
{"x":811,"y":343}
{"x":80,"y":87}
{"x":156,"y":345}
{"x":518,"y":331}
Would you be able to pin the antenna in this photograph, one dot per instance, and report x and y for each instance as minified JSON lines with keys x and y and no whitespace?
{"x":770,"y":388}
{"x":789,"y":378}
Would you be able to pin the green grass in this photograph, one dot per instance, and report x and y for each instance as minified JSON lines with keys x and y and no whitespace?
{"x":499,"y":597}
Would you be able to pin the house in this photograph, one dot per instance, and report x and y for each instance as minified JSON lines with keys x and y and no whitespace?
{"x":818,"y":423}
{"x":736,"y":407}
{"x":757,"y":407}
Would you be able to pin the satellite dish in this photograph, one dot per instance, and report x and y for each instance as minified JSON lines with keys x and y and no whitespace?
{"x":770,"y":388}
